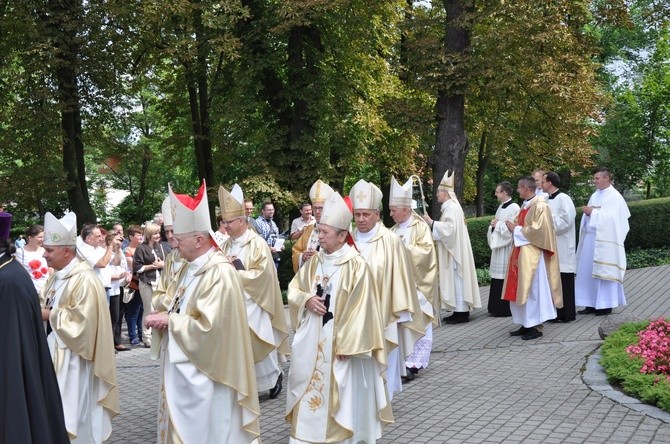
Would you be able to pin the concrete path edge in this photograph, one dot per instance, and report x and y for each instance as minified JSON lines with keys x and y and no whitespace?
{"x":595,"y":378}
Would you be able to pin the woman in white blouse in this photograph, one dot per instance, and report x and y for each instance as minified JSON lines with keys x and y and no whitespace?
{"x":31,"y":256}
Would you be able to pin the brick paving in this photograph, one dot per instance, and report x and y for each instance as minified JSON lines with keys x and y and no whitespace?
{"x":482,"y":386}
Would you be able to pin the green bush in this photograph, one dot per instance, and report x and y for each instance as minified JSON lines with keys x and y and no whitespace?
{"x":285,"y":270}
{"x":648,"y":223}
{"x":652,"y":257}
{"x":624,"y":371}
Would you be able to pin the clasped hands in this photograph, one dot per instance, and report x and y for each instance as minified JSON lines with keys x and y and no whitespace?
{"x":158,"y":320}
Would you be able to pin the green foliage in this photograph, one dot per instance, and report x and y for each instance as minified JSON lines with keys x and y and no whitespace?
{"x":285,"y":271}
{"x":477,"y":227}
{"x":623,"y":370}
{"x":483,"y":277}
{"x":648,"y":224}
{"x":651,"y":257}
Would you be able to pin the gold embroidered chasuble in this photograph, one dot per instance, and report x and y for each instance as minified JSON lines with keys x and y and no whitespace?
{"x":421,"y":252}
{"x":259,"y":280}
{"x":81,"y":320}
{"x":212,"y":331}
{"x":392,"y":274}
{"x":300,"y":246}
{"x":357,"y":331}
{"x":538,"y":228}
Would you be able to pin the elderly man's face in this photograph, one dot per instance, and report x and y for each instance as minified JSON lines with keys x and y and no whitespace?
{"x":366,"y":219}
{"x":400,"y":214}
{"x":57,"y":257}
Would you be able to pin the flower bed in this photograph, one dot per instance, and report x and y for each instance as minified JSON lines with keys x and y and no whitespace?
{"x":637,"y":358}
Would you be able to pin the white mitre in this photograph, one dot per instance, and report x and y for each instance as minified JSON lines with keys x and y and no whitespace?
{"x":365,"y":196}
{"x":167,"y":213}
{"x":447,"y":184}
{"x":189,"y":214}
{"x":336,"y":213}
{"x":61,"y":232}
{"x":401,"y":195}
{"x":320,"y":192}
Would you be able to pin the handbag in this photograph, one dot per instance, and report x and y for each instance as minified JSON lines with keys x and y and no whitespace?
{"x":134,"y":283}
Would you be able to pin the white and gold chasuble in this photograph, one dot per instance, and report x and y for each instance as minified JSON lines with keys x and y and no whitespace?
{"x":331,"y":400}
{"x":82,"y":351}
{"x":405,"y":322}
{"x":259,"y":278}
{"x":208,"y":394}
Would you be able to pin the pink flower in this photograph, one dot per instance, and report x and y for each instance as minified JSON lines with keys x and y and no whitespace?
{"x":34,"y":264}
{"x":654,"y":347}
{"x":37,"y":274}
{"x":44,"y":270}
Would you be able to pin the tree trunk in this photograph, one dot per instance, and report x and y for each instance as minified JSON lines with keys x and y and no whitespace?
{"x":451,"y":142}
{"x":483,"y":159}
{"x":199,"y":102}
{"x":62,"y":25}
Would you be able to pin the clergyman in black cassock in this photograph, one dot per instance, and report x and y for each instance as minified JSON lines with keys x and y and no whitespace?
{"x":30,"y":404}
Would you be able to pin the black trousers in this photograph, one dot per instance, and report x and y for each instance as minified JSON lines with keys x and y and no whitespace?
{"x":114,"y":308}
{"x":568,"y":312}
{"x":496,"y":306}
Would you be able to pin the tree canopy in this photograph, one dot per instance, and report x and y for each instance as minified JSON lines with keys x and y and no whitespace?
{"x":273,"y":94}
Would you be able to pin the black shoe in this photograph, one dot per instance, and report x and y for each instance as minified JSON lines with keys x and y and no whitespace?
{"x":413,"y":370}
{"x":408,"y":377}
{"x":555,"y":320}
{"x":520,"y":332}
{"x":587,"y":310}
{"x":458,"y":317}
{"x":533,"y":333}
{"x":276,"y":390}
{"x":603,"y":311}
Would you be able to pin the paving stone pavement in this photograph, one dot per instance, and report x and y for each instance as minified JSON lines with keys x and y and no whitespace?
{"x":482,"y":385}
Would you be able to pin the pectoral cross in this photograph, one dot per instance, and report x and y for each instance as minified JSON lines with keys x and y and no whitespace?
{"x":179,"y":296}
{"x":50,"y":300}
{"x":319,"y":292}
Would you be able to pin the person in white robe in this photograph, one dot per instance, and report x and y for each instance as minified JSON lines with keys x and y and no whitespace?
{"x":265,"y":308}
{"x":79,"y":334}
{"x":563,"y":214}
{"x":499,"y":239}
{"x":208,"y":387}
{"x":601,"y":255}
{"x":405,"y":323}
{"x":336,"y":392}
{"x":459,"y":290}
{"x":414,"y":233}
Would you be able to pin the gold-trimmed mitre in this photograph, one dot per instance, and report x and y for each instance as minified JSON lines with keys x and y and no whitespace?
{"x":336,"y":213}
{"x":401,"y":195}
{"x":189,"y":214}
{"x":60,"y":232}
{"x":320,"y":192}
{"x":231,"y":204}
{"x":365,"y":196}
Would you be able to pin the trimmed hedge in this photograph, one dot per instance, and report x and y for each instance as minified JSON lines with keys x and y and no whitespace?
{"x":647,"y":230}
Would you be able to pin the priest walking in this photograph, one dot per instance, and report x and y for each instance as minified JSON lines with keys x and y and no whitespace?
{"x":208,"y":386}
